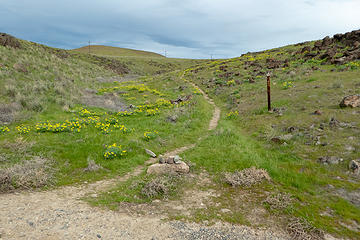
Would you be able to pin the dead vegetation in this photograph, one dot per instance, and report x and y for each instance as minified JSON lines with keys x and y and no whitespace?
{"x":107,"y":100}
{"x":8,"y":112}
{"x":247,"y":177}
{"x":278,"y":201}
{"x":34,"y":173}
{"x":300,"y":229}
{"x":92,"y":166}
{"x":160,"y":186}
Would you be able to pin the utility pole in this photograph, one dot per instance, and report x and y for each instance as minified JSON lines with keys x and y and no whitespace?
{"x":89,"y":46}
{"x":268,"y":91}
{"x":165,"y":53}
{"x":211,"y":57}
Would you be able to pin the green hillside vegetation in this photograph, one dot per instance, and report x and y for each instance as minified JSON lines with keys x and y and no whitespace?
{"x":108,"y":51}
{"x":61,"y":111}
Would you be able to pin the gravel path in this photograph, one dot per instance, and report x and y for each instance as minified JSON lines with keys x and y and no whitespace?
{"x":60,"y":214}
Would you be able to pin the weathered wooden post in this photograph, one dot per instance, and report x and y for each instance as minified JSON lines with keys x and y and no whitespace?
{"x":268,"y":91}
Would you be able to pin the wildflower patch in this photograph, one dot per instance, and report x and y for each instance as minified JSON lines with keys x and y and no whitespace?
{"x":150,"y":135}
{"x":114,"y":151}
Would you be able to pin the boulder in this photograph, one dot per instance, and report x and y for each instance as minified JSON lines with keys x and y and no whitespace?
{"x":354,"y":166}
{"x":351,"y":101}
{"x":327,"y":41}
{"x":305,"y":49}
{"x":158,"y":168}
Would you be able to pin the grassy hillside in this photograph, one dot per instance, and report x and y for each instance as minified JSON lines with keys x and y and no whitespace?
{"x":116,"y":51}
{"x":59,"y":110}
{"x":292,"y":142}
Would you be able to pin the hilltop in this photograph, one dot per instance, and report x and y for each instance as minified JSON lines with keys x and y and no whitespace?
{"x":116,"y":51}
{"x":69,"y":118}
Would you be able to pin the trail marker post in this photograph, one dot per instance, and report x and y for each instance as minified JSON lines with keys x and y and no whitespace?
{"x":268,"y":91}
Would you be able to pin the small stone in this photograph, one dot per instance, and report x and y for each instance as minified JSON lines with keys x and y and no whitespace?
{"x":277,"y":140}
{"x":177,"y":159}
{"x":317,"y":112}
{"x":291,"y":129}
{"x":161,"y":159}
{"x":98,"y":235}
{"x":149,"y":152}
{"x":225,"y":210}
{"x":170,"y":160}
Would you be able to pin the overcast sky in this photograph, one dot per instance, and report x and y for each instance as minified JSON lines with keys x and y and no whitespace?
{"x":185,"y":28}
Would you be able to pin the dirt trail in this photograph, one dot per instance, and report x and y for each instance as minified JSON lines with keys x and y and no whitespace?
{"x":60,"y":214}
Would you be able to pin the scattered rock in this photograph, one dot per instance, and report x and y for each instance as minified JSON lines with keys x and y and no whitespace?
{"x":333,"y":122}
{"x":20,"y":67}
{"x":330,"y":160}
{"x":279,"y":110}
{"x":150,"y":153}
{"x":247,"y":177}
{"x":354,"y":166}
{"x":317,"y":112}
{"x":351,"y":101}
{"x":305,"y":49}
{"x":168,"y":168}
{"x":172,"y":118}
{"x":7,"y":40}
{"x":181,"y":99}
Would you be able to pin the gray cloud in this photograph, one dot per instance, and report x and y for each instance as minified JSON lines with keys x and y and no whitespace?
{"x":193,"y":29}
